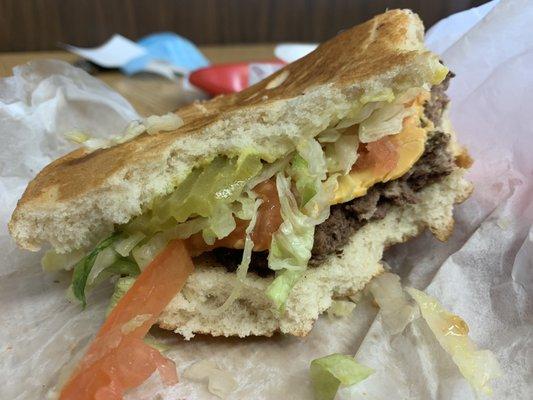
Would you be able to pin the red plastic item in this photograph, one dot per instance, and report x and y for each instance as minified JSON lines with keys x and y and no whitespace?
{"x":225,"y":78}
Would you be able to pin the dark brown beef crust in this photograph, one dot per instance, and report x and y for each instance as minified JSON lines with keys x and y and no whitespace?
{"x":435,"y":163}
{"x":436,"y":105}
{"x":231,"y":258}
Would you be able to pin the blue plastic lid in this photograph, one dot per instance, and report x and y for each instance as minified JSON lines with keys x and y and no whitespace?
{"x":181,"y":53}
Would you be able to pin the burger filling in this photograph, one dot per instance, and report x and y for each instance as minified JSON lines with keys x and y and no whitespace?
{"x":281,"y":217}
{"x":347,"y":218}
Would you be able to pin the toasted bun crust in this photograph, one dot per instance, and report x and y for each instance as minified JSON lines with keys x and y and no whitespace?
{"x":338,"y":277}
{"x":77,"y":199}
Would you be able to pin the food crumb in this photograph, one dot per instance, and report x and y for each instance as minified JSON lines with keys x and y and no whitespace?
{"x":503,"y":223}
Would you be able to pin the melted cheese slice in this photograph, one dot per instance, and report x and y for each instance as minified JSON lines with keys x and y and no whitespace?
{"x":409,"y":143}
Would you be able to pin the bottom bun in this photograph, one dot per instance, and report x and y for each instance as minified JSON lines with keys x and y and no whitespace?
{"x":339,"y":276}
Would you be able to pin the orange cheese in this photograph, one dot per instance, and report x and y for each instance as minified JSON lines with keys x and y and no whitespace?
{"x":409,"y":144}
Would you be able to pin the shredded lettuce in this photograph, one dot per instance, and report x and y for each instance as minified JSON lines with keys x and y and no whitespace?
{"x":384,"y":121}
{"x":291,"y":245}
{"x":311,"y":151}
{"x":311,"y":174}
{"x":357,"y":115}
{"x":146,"y":251}
{"x":122,"y":285}
{"x":319,"y":206}
{"x":221,"y":224}
{"x":219,"y":382}
{"x":410,"y":94}
{"x":162,"y":123}
{"x":77,"y":137}
{"x":109,"y":264}
{"x":242,"y":269}
{"x":126,"y":243}
{"x":205,"y":202}
{"x":477,"y":366}
{"x":104,"y":259}
{"x":342,"y":154}
{"x":278,"y":291}
{"x":439,"y":71}
{"x":222,"y":181}
{"x":186,"y":229}
{"x":306,"y":184}
{"x":330,"y":372}
{"x":210,"y":192}
{"x":268,"y":171}
{"x":121,"y":267}
{"x":290,"y":249}
{"x":144,"y":254}
{"x":243,"y":208}
{"x":84,"y":266}
{"x":329,"y":135}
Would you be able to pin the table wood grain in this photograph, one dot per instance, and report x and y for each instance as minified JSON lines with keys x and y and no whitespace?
{"x":29,"y":25}
{"x":149,"y":94}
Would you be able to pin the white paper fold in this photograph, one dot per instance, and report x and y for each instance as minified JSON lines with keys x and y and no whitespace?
{"x":114,"y":53}
{"x":484,"y":273}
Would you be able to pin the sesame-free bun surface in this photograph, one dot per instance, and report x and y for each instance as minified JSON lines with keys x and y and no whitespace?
{"x":76,"y":200}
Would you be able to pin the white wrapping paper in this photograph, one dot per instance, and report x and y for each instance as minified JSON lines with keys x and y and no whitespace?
{"x":483,"y":273}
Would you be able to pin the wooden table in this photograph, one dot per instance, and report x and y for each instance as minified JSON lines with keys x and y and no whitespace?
{"x":149,"y":94}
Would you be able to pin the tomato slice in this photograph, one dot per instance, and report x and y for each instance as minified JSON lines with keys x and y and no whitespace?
{"x":380,"y":156}
{"x":118,"y":359}
{"x":268,"y":221}
{"x":269,"y":215}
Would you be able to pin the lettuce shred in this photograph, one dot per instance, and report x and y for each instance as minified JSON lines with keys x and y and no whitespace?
{"x":122,"y":285}
{"x":278,"y":291}
{"x":242,"y":269}
{"x":291,"y":245}
{"x":330,"y":372}
{"x":208,"y":192}
{"x":84,"y":266}
{"x":116,"y":266}
{"x":387,"y":120}
{"x":342,"y":154}
{"x":478,"y":367}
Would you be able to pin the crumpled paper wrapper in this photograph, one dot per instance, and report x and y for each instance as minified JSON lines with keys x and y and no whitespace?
{"x":483,"y":273}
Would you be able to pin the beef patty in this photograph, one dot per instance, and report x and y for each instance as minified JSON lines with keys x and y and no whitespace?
{"x":346,"y":218}
{"x":438,"y":101}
